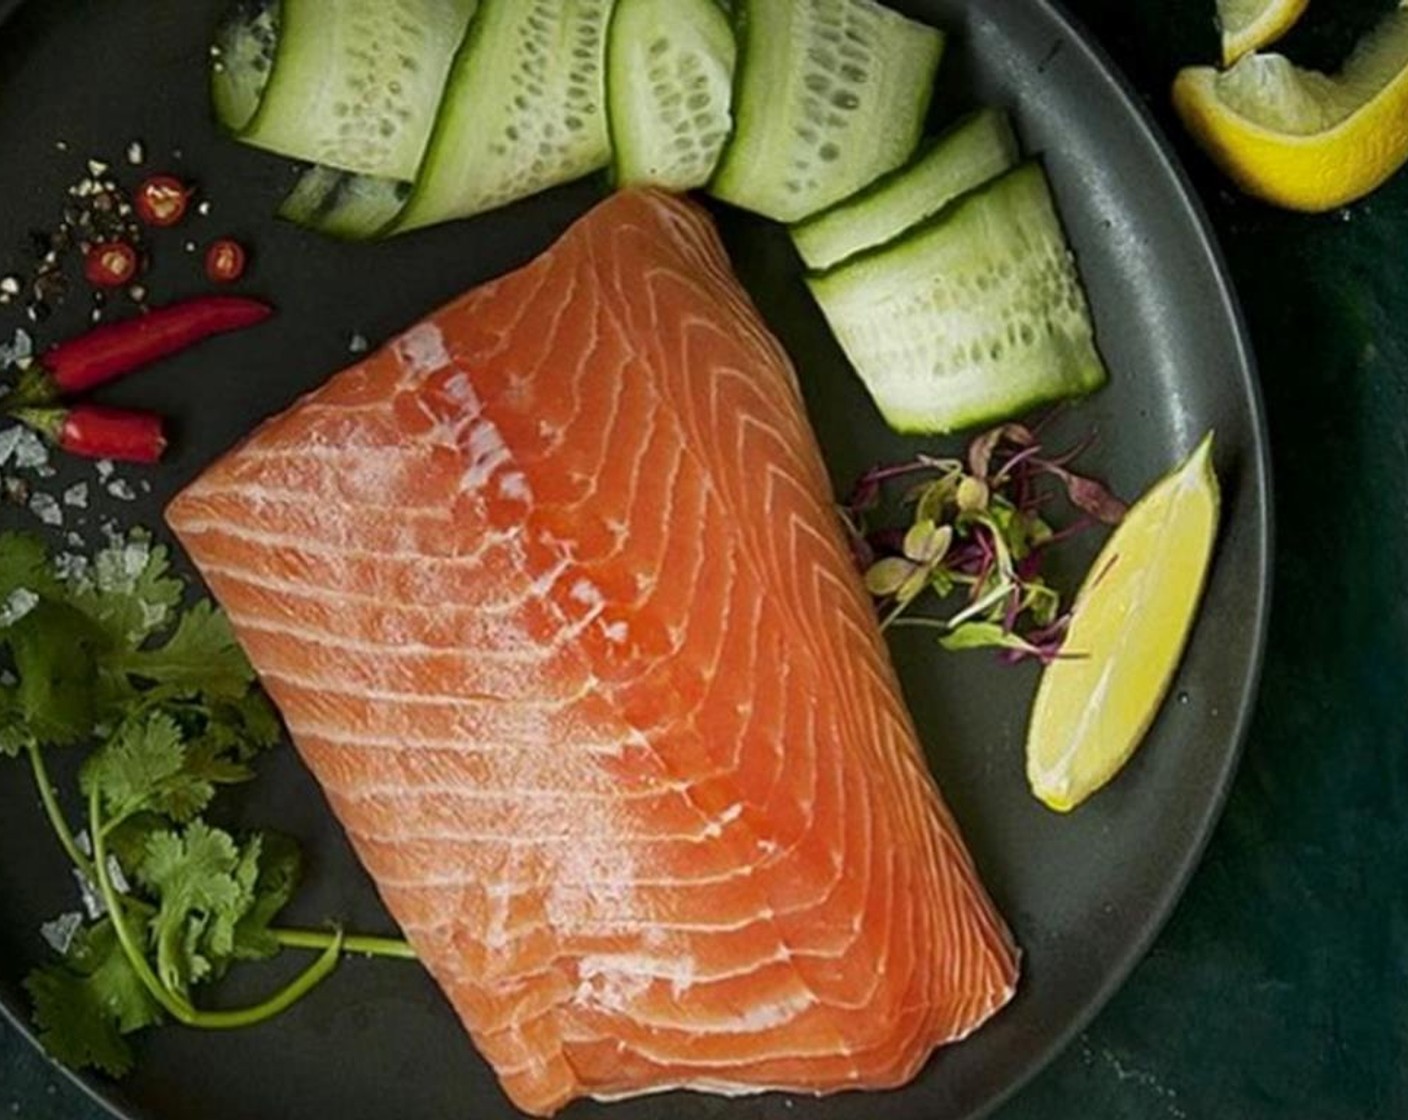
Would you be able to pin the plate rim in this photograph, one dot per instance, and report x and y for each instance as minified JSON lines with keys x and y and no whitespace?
{"x":1261,"y":477}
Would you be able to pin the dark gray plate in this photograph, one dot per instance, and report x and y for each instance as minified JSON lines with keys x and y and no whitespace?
{"x":1085,"y":894}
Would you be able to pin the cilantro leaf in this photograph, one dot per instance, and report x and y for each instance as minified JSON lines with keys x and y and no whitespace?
{"x":201,"y":657}
{"x":205,"y":885}
{"x":279,"y":867}
{"x":251,"y":723}
{"x":53,"y":648}
{"x":24,"y":565}
{"x":127,"y":591}
{"x":15,"y":735}
{"x":97,"y":954}
{"x":73,"y":1028}
{"x":84,"y":1006}
{"x":142,"y":767}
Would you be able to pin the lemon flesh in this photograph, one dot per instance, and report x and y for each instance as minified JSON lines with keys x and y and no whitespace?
{"x":1129,"y":625}
{"x":1299,"y":138}
{"x":1249,"y":25}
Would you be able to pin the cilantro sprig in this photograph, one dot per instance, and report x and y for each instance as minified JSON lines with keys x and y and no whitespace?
{"x":976,"y":525}
{"x":104,"y":659}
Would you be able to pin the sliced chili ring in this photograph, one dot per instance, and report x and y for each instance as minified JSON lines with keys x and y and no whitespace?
{"x":111,"y":264}
{"x":225,"y":261}
{"x":162,"y":200}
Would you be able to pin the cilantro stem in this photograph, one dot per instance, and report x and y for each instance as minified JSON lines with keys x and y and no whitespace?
{"x":174,"y":1005}
{"x":281,"y":1000}
{"x":55,"y":812}
{"x":179,"y":1008}
{"x":351,"y":945}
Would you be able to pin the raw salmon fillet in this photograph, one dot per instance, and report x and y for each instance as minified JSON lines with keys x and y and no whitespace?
{"x":553,"y":598}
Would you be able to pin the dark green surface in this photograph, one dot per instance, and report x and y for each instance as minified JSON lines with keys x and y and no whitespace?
{"x":1278,"y":989}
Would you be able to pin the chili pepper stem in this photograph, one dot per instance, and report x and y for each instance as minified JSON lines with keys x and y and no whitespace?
{"x":34,"y":389}
{"x":48,"y":422}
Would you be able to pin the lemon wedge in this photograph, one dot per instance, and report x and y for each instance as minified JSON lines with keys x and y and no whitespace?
{"x":1299,"y":138}
{"x":1249,"y":25}
{"x":1129,"y":625}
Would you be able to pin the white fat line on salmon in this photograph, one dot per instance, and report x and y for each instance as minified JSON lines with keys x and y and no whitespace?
{"x":344,"y":596}
{"x":407,"y":789}
{"x":421,"y":350}
{"x":262,"y":496}
{"x":576,"y":835}
{"x":579,"y":919}
{"x":393,"y":744}
{"x":715,"y":827}
{"x":309,"y":546}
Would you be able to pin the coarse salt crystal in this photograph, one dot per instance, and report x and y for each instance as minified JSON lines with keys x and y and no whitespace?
{"x":9,"y":443}
{"x":122,"y":490}
{"x":30,"y":451}
{"x":104,"y":468}
{"x":70,"y":566}
{"x":93,"y":903}
{"x":46,"y":508}
{"x":77,"y":495}
{"x":59,"y":933}
{"x":19,"y":603}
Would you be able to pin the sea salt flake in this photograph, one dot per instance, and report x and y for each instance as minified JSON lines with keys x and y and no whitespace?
{"x":70,"y":566}
{"x":46,"y":507}
{"x":116,"y":876}
{"x":93,"y":904}
{"x":104,"y":467}
{"x":59,"y":933}
{"x":30,"y":451}
{"x":18,"y":604}
{"x":9,"y":443}
{"x":122,"y":490}
{"x":77,"y":495}
{"x":21,"y":347}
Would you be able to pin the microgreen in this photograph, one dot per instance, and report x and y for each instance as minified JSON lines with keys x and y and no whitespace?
{"x":103,"y":658}
{"x":975,"y":526}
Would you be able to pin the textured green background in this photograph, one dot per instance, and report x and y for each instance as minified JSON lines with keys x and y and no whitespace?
{"x":1279,"y":989}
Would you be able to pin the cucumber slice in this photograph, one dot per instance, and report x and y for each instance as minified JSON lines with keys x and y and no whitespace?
{"x":669,"y":82}
{"x":831,"y":95}
{"x":341,"y":204}
{"x":525,"y":109}
{"x":978,"y":148}
{"x":971,"y":318}
{"x":242,"y":59}
{"x":356,"y":83}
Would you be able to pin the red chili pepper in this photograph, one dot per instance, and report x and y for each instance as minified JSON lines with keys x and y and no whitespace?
{"x":110,"y":264}
{"x":95,"y":432}
{"x":225,"y":261}
{"x":107,"y":352}
{"x":162,"y":200}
